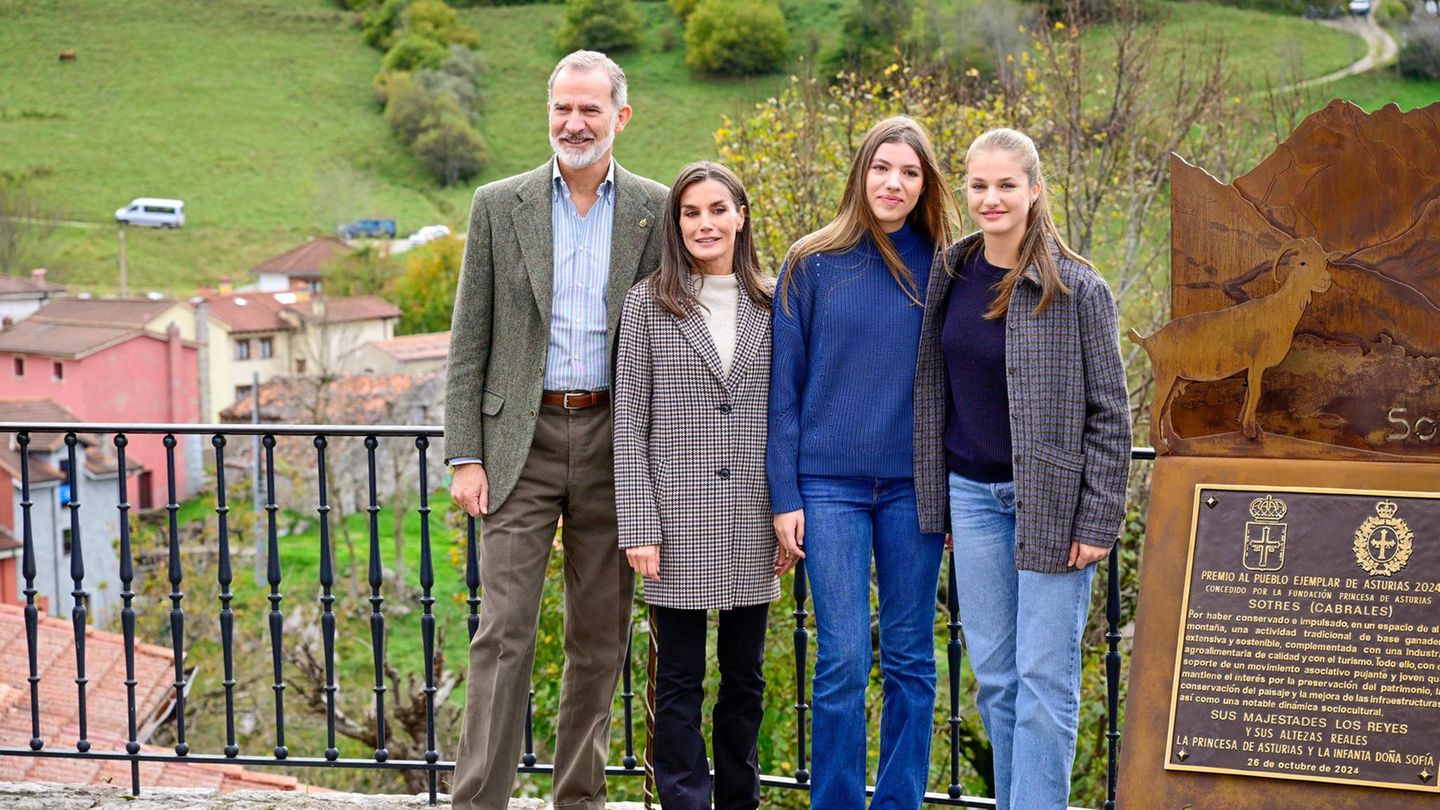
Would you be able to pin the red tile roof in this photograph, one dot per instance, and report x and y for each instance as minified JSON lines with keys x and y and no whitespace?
{"x":106,"y":714}
{"x":248,"y":312}
{"x":130,"y":313}
{"x":362,"y":399}
{"x":37,"y":409}
{"x":345,"y":310}
{"x":307,"y":260}
{"x":68,"y":340}
{"x":13,"y":285}
{"x":425,"y":346}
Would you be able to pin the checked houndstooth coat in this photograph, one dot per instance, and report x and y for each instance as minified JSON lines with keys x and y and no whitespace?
{"x":690,"y":454}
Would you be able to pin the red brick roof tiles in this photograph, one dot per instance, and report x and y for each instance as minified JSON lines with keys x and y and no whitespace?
{"x":307,"y":260}
{"x":107,"y":710}
{"x":132,"y":313}
{"x":426,"y":346}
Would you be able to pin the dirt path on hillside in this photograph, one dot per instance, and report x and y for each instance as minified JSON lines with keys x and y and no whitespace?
{"x":1381,"y":51}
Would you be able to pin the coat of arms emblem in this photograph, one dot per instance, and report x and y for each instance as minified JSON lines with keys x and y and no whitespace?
{"x":1265,"y":535}
{"x":1383,"y":542}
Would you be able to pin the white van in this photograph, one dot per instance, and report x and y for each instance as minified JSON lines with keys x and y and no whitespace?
{"x":152,"y":212}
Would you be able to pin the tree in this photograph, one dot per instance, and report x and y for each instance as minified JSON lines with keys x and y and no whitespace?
{"x":599,"y":25}
{"x":27,"y":220}
{"x":412,"y":52}
{"x":451,"y":148}
{"x":436,"y":21}
{"x":736,"y":37}
{"x":425,"y":292}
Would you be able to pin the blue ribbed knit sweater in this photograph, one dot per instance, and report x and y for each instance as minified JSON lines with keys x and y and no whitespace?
{"x":843,"y":368}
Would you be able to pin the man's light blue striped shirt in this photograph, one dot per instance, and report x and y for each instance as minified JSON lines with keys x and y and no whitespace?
{"x":578,"y":359}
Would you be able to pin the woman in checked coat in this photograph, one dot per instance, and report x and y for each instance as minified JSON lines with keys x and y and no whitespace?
{"x":691,"y":389}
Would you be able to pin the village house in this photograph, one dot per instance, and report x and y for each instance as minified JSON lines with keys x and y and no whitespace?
{"x":51,"y":528}
{"x":250,"y":335}
{"x":114,"y":360}
{"x":300,"y":268}
{"x":20,"y":296}
{"x":407,"y":354}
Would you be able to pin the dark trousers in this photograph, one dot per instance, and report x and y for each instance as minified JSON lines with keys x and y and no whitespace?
{"x":682,"y":775}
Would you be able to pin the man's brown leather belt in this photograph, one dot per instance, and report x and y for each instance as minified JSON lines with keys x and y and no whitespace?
{"x":574,"y":400}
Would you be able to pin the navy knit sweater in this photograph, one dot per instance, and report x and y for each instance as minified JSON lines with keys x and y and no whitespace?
{"x":977,"y":402}
{"x":843,"y":369}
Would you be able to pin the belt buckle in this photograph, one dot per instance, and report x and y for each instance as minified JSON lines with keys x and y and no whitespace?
{"x":565,"y":402}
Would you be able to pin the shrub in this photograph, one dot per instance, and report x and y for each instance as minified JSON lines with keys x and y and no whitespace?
{"x":434,"y":20}
{"x":1420,"y":55}
{"x":683,"y":8}
{"x":872,"y":32}
{"x":450,"y":147}
{"x":458,"y":77}
{"x":378,"y":24}
{"x":409,"y":105}
{"x":1392,"y":12}
{"x":600,"y":25}
{"x":736,"y":37}
{"x":413,"y":53}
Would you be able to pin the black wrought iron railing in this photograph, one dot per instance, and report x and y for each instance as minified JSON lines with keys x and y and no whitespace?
{"x":431,"y":762}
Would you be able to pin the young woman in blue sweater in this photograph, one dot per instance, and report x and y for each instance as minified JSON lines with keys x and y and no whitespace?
{"x":845,"y":332}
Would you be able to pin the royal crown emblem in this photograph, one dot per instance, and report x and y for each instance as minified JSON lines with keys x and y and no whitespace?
{"x":1265,"y":536}
{"x":1383,"y":543}
{"x":1268,"y":508}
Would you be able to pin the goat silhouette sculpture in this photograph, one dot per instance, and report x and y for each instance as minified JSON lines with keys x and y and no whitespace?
{"x":1251,"y":336}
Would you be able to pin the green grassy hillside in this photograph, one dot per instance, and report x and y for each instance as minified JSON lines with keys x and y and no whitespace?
{"x":258,"y":113}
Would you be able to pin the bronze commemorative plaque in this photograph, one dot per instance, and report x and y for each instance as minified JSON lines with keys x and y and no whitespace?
{"x":1310,"y":637}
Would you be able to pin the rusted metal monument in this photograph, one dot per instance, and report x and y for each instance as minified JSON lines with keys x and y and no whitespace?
{"x":1287,"y":642}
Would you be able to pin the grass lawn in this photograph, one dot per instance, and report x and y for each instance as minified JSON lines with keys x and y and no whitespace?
{"x":1374,"y":90}
{"x":255,"y":112}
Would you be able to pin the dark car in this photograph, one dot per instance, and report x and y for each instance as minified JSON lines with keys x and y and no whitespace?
{"x":372,"y":228}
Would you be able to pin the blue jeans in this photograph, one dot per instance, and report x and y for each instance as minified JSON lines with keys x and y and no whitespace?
{"x":1023,"y":632}
{"x":847,"y":521}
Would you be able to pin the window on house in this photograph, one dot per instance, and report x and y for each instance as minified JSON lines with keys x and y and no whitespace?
{"x":57,"y":370}
{"x":299,"y":365}
{"x":267,"y":347}
{"x":242,"y":392}
{"x":19,"y":367}
{"x":65,"y":540}
{"x":242,"y":350}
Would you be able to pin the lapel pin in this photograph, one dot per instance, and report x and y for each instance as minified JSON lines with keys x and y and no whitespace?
{"x":644,"y":223}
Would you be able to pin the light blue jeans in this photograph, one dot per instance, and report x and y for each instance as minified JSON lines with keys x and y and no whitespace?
{"x":847,"y":522}
{"x":1022,"y":630}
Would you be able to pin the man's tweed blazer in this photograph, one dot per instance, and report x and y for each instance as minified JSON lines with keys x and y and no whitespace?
{"x":1069,"y":414}
{"x":501,"y":327}
{"x":690,"y":454}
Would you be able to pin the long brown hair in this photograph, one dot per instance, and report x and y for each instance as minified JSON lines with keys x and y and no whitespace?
{"x":936,"y":213}
{"x":671,"y":283}
{"x":1042,"y":238}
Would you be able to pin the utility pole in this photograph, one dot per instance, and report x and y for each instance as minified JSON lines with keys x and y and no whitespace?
{"x":124,"y":272}
{"x":260,"y":561}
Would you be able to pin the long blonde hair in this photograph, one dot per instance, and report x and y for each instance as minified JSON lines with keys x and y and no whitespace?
{"x":1041,"y":234}
{"x":936,"y":214}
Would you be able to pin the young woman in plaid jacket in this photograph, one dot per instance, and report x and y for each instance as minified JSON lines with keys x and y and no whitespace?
{"x":691,"y":384}
{"x":1022,"y":414}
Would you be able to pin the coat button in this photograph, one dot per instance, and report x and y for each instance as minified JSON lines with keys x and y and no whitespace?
{"x":1019,"y":504}
{"x":723,"y":473}
{"x":725,"y":408}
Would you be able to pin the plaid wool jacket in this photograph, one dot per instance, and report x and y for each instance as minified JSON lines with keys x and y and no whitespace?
{"x":690,"y":454}
{"x":1069,"y":414}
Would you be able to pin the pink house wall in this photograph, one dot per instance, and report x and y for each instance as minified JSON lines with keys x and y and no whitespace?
{"x":144,"y":379}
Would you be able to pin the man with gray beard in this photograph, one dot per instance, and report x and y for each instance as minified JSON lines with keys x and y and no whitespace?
{"x":549,"y":258}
